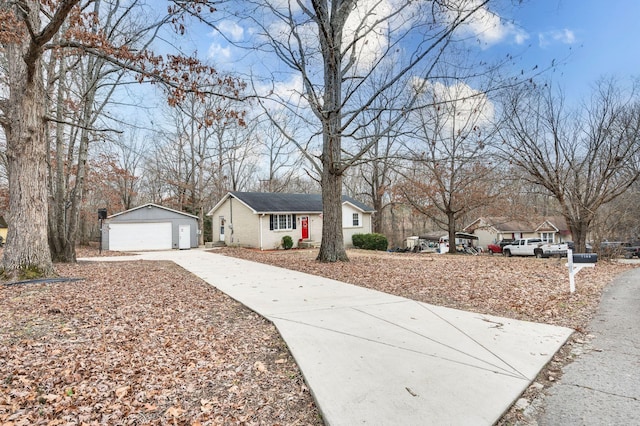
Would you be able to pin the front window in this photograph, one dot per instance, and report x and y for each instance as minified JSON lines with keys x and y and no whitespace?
{"x":547,"y":237}
{"x":283,"y":222}
{"x":356,"y":219}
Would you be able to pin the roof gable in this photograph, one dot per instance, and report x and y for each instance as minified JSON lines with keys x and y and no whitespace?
{"x":152,"y":205}
{"x":500,"y":224}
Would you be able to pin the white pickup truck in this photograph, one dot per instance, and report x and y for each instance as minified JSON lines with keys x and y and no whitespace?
{"x":534,"y":247}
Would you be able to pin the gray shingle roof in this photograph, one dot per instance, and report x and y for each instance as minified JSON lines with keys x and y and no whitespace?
{"x":274,"y":202}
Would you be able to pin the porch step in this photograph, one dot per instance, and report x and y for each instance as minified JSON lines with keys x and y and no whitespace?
{"x":212,"y":244}
{"x":309,"y":244}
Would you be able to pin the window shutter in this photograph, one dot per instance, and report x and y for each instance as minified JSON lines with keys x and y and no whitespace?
{"x":271,"y":222}
{"x":293,"y":219}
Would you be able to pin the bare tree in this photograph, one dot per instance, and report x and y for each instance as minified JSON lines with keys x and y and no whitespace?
{"x":283,"y":160}
{"x":31,"y":28}
{"x":585,"y":157}
{"x":332,"y":48}
{"x":83,"y":88}
{"x":382,"y":130}
{"x":450,"y":176}
{"x":205,"y":153}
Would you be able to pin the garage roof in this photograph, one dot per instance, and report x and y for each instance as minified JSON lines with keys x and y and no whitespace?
{"x":152,"y":205}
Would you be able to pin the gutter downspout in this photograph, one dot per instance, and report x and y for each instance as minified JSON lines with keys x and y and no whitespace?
{"x":261,"y":217}
{"x":231,"y":217}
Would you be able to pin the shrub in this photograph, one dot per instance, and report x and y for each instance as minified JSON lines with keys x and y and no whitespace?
{"x":370,"y":241}
{"x":287,"y":242}
{"x":358,"y":240}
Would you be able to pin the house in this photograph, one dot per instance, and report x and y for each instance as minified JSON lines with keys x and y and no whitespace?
{"x":554,"y":229}
{"x":490,"y":230}
{"x":261,"y":219}
{"x":150,"y":227}
{"x":4,"y":228}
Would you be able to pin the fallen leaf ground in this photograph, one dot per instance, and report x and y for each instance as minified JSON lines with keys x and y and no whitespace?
{"x":147,"y":343}
{"x":514,"y":287}
{"x":142,"y":343}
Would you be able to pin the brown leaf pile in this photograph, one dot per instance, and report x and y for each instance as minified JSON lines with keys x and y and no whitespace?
{"x":521,"y":288}
{"x":148,"y":343}
{"x":141,"y":343}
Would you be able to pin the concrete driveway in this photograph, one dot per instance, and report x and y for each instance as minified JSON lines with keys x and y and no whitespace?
{"x":378,"y":359}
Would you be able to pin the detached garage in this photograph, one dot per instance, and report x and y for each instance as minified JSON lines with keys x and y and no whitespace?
{"x":150,"y":227}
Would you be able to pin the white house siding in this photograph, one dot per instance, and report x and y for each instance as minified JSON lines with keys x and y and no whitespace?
{"x":273,"y":239}
{"x":244,"y":227}
{"x":241,"y":226}
{"x":486,"y":236}
{"x":348,"y":230}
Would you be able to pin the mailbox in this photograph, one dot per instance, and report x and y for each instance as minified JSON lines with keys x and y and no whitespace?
{"x":585,"y":257}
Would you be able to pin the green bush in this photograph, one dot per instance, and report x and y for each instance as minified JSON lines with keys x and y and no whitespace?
{"x":358,"y":240}
{"x":287,"y":242}
{"x":370,"y":241}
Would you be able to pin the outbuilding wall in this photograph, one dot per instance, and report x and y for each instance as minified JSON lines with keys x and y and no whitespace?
{"x":151,"y":214}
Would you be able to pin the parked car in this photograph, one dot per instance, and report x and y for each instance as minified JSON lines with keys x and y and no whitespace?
{"x":611,"y":248}
{"x":535,"y":247}
{"x":497,"y":247}
{"x":631,"y":249}
{"x":588,"y":248}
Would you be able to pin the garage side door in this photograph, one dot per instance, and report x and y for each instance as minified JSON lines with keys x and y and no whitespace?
{"x":140,"y":236}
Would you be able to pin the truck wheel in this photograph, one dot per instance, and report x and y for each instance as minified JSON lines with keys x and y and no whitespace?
{"x":538,"y":254}
{"x":507,"y":252}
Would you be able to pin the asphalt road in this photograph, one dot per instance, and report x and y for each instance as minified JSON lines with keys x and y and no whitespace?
{"x":602,"y":386}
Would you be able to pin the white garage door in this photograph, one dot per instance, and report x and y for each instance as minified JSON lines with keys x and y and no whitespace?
{"x":140,"y":236}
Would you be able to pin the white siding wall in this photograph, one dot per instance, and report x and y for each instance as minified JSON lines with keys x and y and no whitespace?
{"x":248,"y":226}
{"x":348,"y":229}
{"x":241,"y":225}
{"x":273,"y":239}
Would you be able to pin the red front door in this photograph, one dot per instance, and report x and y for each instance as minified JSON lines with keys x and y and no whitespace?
{"x":304,"y":222}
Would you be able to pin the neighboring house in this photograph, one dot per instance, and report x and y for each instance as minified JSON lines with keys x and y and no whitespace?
{"x":3,"y":229}
{"x":150,"y":227}
{"x":554,"y":230}
{"x":490,"y":230}
{"x":261,"y":219}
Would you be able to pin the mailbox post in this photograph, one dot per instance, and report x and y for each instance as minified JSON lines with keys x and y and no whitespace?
{"x":102,"y":215}
{"x":576,"y":262}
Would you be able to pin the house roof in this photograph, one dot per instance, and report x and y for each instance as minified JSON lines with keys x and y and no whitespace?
{"x":504,"y":224}
{"x":500,"y":224}
{"x":279,"y":202}
{"x":553,"y":223}
{"x":152,"y":205}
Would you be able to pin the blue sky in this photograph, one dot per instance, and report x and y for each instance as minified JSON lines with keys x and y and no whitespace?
{"x":591,"y":39}
{"x":588,"y":39}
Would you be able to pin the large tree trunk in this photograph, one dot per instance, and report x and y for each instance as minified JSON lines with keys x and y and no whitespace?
{"x":579,"y":229}
{"x":27,"y":243}
{"x":451,"y":231}
{"x":332,"y":245}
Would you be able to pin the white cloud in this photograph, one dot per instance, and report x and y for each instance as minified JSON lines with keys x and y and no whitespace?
{"x":464,"y":103}
{"x":361,"y":21}
{"x":488,"y":27}
{"x":231,"y":30}
{"x":219,"y":53}
{"x":564,"y":36}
